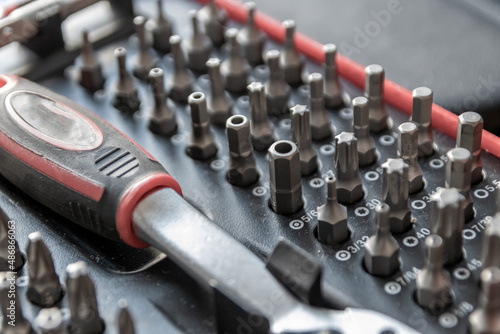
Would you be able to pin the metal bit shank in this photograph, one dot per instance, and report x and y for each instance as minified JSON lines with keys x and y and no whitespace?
{"x":469,"y":134}
{"x":214,"y":22}
{"x":251,"y":39}
{"x":277,"y":90}
{"x":491,"y":244}
{"x":201,"y":145}
{"x":91,"y":77}
{"x":144,"y":61}
{"x":262,"y":129}
{"x":486,"y":318}
{"x":162,"y":118}
{"x":235,"y":69}
{"x":219,"y":105}
{"x":125,"y":321}
{"x":161,"y":30}
{"x":198,"y":47}
{"x":301,"y":135}
{"x":349,"y":186}
{"x":126,"y":97}
{"x":367,"y":153}
{"x":374,"y":91}
{"x":408,"y":151}
{"x":458,"y":175}
{"x":180,"y":81}
{"x":333,"y":90}
{"x":395,"y":191}
{"x":320,"y":120}
{"x":291,"y":62}
{"x":332,"y":217}
{"x":421,"y":115}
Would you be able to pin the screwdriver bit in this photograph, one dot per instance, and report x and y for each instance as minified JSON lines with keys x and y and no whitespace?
{"x":180,"y":81}
{"x":235,"y":69}
{"x":44,"y":288}
{"x":332,"y":217}
{"x":11,"y":307}
{"x":333,"y":91}
{"x":349,"y":186}
{"x":125,"y":321}
{"x":251,"y":39}
{"x":367,"y":153}
{"x":320,"y":120}
{"x":162,"y":118}
{"x":469,"y":134}
{"x":161,"y":29}
{"x":421,"y":115}
{"x":10,"y":259}
{"x":486,"y":318}
{"x":144,"y":60}
{"x":91,"y":77}
{"x":214,"y":22}
{"x":126,"y":97}
{"x":285,"y":181}
{"x":50,"y":321}
{"x":382,"y":250}
{"x":201,"y":145}
{"x":408,"y":151}
{"x":433,"y":282}
{"x":301,"y":136}
{"x":82,"y":300}
{"x":374,"y":92}
{"x":395,"y":190}
{"x":291,"y":62}
{"x":242,"y":169}
{"x":277,"y":90}
{"x":491,"y":244}
{"x":458,"y":175}
{"x":261,"y":128}
{"x":219,"y":105}
{"x":198,"y":47}
{"x":447,"y":221}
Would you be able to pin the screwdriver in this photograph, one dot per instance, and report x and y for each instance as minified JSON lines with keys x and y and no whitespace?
{"x":78,"y":165}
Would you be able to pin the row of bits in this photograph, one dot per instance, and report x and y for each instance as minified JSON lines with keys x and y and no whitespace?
{"x":46,"y":293}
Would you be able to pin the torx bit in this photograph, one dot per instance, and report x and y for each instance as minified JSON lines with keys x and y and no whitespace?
{"x":242,"y":168}
{"x":50,"y":321}
{"x":458,"y":175}
{"x":235,"y":69}
{"x":320,"y":120}
{"x":421,"y":115}
{"x":491,"y":244}
{"x":374,"y":92}
{"x":285,"y":181}
{"x":277,"y":90}
{"x":469,"y":134}
{"x":332,"y":217}
{"x":214,"y":22}
{"x":11,"y":258}
{"x":447,"y":221}
{"x":44,"y":288}
{"x":433,"y":282}
{"x":349,"y":186}
{"x":179,"y":82}
{"x":126,"y":97}
{"x":367,"y":153}
{"x":198,"y":47}
{"x":82,"y":300}
{"x":91,"y":77}
{"x":162,"y":118}
{"x":144,"y":60}
{"x":291,"y":61}
{"x":125,"y":321}
{"x":11,"y":307}
{"x":301,"y":136}
{"x":201,"y":145}
{"x":382,"y":249}
{"x":408,"y":151}
{"x":161,"y":30}
{"x":251,"y":39}
{"x":486,"y":318}
{"x":395,"y":191}
{"x":219,"y":105}
{"x":333,"y":90}
{"x":261,"y":128}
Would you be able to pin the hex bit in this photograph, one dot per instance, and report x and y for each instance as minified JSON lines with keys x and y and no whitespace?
{"x":469,"y":135}
{"x":201,"y":144}
{"x":11,"y":258}
{"x":458,"y":175}
{"x":382,"y":250}
{"x":284,"y":175}
{"x":421,"y":115}
{"x":161,"y":30}
{"x":447,"y":221}
{"x":349,"y":186}
{"x":219,"y":105}
{"x":51,"y":321}
{"x":395,"y":191}
{"x":408,"y":151}
{"x":320,"y":119}
{"x":491,"y":244}
{"x":374,"y":92}
{"x":291,"y":61}
{"x":277,"y":90}
{"x":126,"y":96}
{"x":486,"y":317}
{"x":214,"y":22}
{"x":261,"y":128}
{"x":125,"y":321}
{"x":162,"y":118}
{"x":251,"y":39}
{"x":367,"y":153}
{"x":144,"y":60}
{"x":235,"y":69}
{"x":242,"y":168}
{"x":10,"y":305}
{"x":333,"y":90}
{"x":91,"y":77}
{"x":198,"y":47}
{"x":332,"y":217}
{"x":179,"y":82}
{"x":301,"y":136}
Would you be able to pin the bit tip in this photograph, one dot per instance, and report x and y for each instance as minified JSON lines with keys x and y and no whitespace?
{"x":330,"y":51}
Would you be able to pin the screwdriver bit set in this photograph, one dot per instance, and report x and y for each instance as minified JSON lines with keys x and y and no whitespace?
{"x":349,"y":204}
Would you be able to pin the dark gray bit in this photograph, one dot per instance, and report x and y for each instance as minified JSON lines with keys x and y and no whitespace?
{"x":162,"y":118}
{"x":458,"y":175}
{"x":125,"y":321}
{"x":332,"y":217}
{"x":395,"y":191}
{"x":408,"y":151}
{"x":198,"y":47}
{"x":486,"y":318}
{"x":161,"y":29}
{"x":201,"y":144}
{"x":320,"y":119}
{"x":374,"y":92}
{"x":261,"y":128}
{"x":349,"y":186}
{"x":469,"y":136}
{"x":333,"y":90}
{"x":213,"y":21}
{"x":219,"y":104}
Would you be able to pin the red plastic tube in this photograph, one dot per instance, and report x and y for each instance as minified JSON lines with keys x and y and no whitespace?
{"x":395,"y":95}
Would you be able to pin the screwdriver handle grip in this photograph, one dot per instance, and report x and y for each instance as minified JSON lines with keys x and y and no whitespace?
{"x":74,"y":162}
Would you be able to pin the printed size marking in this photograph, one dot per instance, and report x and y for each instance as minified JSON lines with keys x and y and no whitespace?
{"x":407,"y":277}
{"x":358,"y":244}
{"x":392,"y":288}
{"x":296,"y":224}
{"x":309,"y":216}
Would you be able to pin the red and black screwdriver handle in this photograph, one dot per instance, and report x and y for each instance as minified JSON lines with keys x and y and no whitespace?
{"x":74,"y":162}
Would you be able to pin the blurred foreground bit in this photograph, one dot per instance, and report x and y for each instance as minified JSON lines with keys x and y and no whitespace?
{"x":261,"y":127}
{"x":125,"y":321}
{"x":301,"y":136}
{"x":179,"y":82}
{"x":469,"y":136}
{"x":486,"y":318}
{"x":126,"y":97}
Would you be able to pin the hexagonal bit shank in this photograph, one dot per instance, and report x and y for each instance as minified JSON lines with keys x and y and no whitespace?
{"x":491,"y":244}
{"x":201,"y":145}
{"x":262,"y":129}
{"x":486,"y":318}
{"x":333,"y":90}
{"x":91,"y":77}
{"x":162,"y":118}
{"x":367,"y":153}
{"x":320,"y":120}
{"x":251,"y":39}
{"x":126,"y":97}
{"x":125,"y":321}
{"x":469,"y":135}
{"x":235,"y":69}
{"x":332,"y":217}
{"x":180,"y":81}
{"x":219,"y":105}
{"x":395,"y":190}
{"x":374,"y":91}
{"x":301,"y":135}
{"x":144,"y":60}
{"x":198,"y":47}
{"x":408,"y":151}
{"x":161,"y":29}
{"x":421,"y":115}
{"x":214,"y":22}
{"x":458,"y":175}
{"x":277,"y":90}
{"x":291,"y":61}
{"x":349,"y":186}
{"x":285,"y":181}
